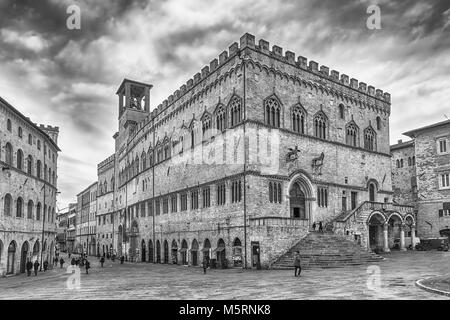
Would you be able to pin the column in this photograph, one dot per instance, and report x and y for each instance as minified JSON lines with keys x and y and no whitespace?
{"x":413,"y":236}
{"x":402,"y":237}
{"x":385,"y":238}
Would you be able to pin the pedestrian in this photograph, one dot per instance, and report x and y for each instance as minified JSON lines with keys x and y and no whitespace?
{"x":314,"y":226}
{"x":107,"y":256}
{"x":55,"y":262}
{"x":69,"y":255}
{"x":320,"y":226}
{"x":61,"y":262}
{"x":87,"y":265}
{"x":102,"y":261}
{"x":29,"y":267}
{"x":45,"y":265}
{"x":36,"y":267}
{"x":122,"y":259}
{"x":205,"y":265}
{"x":297,"y":265}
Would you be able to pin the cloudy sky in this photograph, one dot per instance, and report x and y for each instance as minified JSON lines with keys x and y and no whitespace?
{"x":68,"y":77}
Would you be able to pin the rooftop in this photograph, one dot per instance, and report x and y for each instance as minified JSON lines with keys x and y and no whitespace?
{"x":414,"y":132}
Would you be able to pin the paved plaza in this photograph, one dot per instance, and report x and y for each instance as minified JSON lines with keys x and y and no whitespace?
{"x":398,"y":274}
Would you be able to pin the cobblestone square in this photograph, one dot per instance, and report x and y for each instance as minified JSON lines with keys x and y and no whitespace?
{"x":398,"y":274}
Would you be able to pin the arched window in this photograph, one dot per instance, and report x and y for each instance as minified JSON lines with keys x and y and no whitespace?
{"x":401,"y":163}
{"x":20,"y":132}
{"x":8,"y":154}
{"x":39,"y":144}
{"x":38,"y":211}
{"x":398,"y":163}
{"x":272,"y":110}
{"x":352,"y":134}
{"x":320,"y":125}
{"x":30,"y":139}
{"x":30,"y":164}
{"x":409,"y":161}
{"x":414,"y":160}
{"x":167,"y":151}
{"x":38,"y":169}
{"x":144,"y":160}
{"x":8,"y":125}
{"x":7,"y":205}
{"x":19,"y":159}
{"x":221,"y":123}
{"x":206,"y":126}
{"x":19,"y":207}
{"x":370,"y":139}
{"x":298,"y":119}
{"x":341,"y":111}
{"x":235,"y":110}
{"x":378,"y":123}
{"x":192,"y":138}
{"x":30,"y":209}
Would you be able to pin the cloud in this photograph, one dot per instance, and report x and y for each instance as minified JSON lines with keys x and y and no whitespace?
{"x":68,"y":78}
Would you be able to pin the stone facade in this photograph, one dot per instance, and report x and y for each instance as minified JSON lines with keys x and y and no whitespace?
{"x":86,"y":227}
{"x":240,"y":161}
{"x":404,"y":181}
{"x":28,"y":187}
{"x":432,"y":152}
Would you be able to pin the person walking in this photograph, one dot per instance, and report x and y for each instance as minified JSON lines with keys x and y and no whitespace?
{"x":45,"y":265}
{"x":36,"y":267}
{"x":297,"y":265}
{"x":29,"y":267}
{"x":314,"y":226}
{"x":87,"y":265}
{"x":122,"y":259}
{"x":205,"y":265}
{"x":102,"y":261}
{"x":320,"y":226}
{"x":61,"y":262}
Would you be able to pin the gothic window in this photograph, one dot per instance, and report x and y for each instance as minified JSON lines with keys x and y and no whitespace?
{"x":401,"y":163}
{"x":38,"y":169}
{"x":272,"y":111}
{"x":157,"y":207}
{"x":352,"y":134}
{"x":166,"y":151}
{"x":192,"y":138}
{"x":298,"y":119}
{"x":206,"y":125}
{"x":322,"y":197}
{"x":7,"y":205}
{"x":9,"y":125}
{"x":370,"y":137}
{"x":183,"y":198}
{"x":341,"y":111}
{"x":19,"y":207}
{"x":275,"y":192}
{"x":30,"y":164}
{"x":159,"y":155}
{"x":30,"y":209}
{"x":165,"y":205}
{"x":235,"y":110}
{"x":221,"y":194}
{"x":8,"y":154}
{"x":144,"y":160}
{"x":320,"y":125}
{"x":206,"y":193}
{"x":220,"y":118}
{"x":378,"y":123}
{"x":173,"y":203}
{"x":19,"y":159}
{"x":194,"y":199}
{"x":236,"y":191}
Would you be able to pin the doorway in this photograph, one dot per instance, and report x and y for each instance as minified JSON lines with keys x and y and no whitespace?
{"x":256,"y":259}
{"x":297,"y":202}
{"x":24,"y":257}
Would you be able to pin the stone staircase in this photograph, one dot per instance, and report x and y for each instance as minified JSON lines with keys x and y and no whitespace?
{"x":326,"y":250}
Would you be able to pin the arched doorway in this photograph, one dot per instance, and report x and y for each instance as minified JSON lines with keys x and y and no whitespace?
{"x":174,"y":252}
{"x":375,"y":226}
{"x":237,"y":253}
{"x":143,"y":251}
{"x":445,"y":233}
{"x":36,"y":249}
{"x":24,"y":256}
{"x":11,"y":258}
{"x":394,"y":229}
{"x":150,"y":251}
{"x":158,"y":251}
{"x":372,"y":192}
{"x":194,"y":253}
{"x":183,"y":252}
{"x":220,"y":254}
{"x":206,"y":249}
{"x":166,"y":251}
{"x":298,"y":202}
{"x":120,"y":240}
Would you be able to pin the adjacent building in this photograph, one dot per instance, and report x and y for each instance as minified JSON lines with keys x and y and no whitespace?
{"x":425,"y":161}
{"x":85,"y":239}
{"x":28,"y":189}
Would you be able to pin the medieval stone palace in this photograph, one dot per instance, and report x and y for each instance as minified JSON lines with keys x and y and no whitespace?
{"x":240,"y":162}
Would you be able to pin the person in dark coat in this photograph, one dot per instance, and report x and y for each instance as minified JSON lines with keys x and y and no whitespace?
{"x":36,"y":267}
{"x":314,"y":226}
{"x":297,"y":265}
{"x":87,"y":265}
{"x":102,"y":261}
{"x":320,"y":226}
{"x":205,"y":265}
{"x":122,"y":259}
{"x":61,"y":262}
{"x":45,"y":265}
{"x":29,"y":267}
